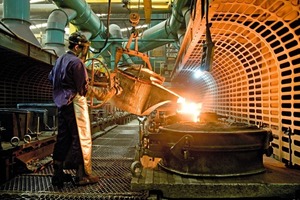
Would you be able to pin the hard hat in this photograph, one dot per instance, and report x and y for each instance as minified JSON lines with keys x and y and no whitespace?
{"x":77,"y":38}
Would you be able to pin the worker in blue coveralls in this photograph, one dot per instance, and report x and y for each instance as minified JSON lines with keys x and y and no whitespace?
{"x":69,"y":79}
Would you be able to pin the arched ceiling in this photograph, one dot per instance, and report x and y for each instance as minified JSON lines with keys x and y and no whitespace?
{"x":255,"y":75}
{"x":255,"y":40}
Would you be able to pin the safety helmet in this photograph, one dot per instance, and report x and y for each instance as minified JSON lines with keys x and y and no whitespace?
{"x":77,"y":38}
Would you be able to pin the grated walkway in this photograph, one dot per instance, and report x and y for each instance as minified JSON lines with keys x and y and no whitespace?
{"x":113,"y":154}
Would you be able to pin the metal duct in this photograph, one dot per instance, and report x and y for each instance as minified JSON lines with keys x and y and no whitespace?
{"x":55,"y":31}
{"x":181,"y":32}
{"x":43,"y":9}
{"x":80,"y":15}
{"x":37,"y":9}
{"x":86,"y":19}
{"x":108,"y":51}
{"x":16,"y":17}
{"x":115,"y":31}
{"x":164,"y":30}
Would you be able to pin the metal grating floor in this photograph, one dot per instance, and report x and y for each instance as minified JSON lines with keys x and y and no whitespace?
{"x":112,"y":157}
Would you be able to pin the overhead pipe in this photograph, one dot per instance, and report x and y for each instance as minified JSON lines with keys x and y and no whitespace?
{"x":16,"y":18}
{"x":107,"y":52}
{"x":37,"y":9}
{"x":86,"y":20}
{"x":164,"y":30}
{"x":181,"y":32}
{"x":43,"y":9}
{"x":77,"y":13}
{"x":186,"y":11}
{"x":55,"y":31}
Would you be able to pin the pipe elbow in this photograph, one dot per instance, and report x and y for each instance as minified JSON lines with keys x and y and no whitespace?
{"x":59,"y":18}
{"x":55,"y":31}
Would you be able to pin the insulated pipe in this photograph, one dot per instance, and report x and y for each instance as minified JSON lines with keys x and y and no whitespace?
{"x":164,"y":30}
{"x":127,"y":58}
{"x":57,"y":21}
{"x":108,"y":56}
{"x":43,"y":9}
{"x":37,"y":9}
{"x":86,"y":19}
{"x":77,"y":13}
{"x":16,"y":17}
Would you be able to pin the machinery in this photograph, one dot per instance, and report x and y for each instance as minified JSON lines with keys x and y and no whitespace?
{"x":211,"y":147}
{"x":113,"y":97}
{"x":133,"y":88}
{"x":188,"y":148}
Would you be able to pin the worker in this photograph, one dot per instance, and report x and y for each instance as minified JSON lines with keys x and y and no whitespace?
{"x":69,"y":79}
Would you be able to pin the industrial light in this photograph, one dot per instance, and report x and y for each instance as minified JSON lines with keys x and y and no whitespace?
{"x":101,"y":15}
{"x":137,"y":27}
{"x":155,"y":4}
{"x":43,"y":25}
{"x":36,"y":1}
{"x":37,"y":26}
{"x":155,"y":7}
{"x":198,"y":73}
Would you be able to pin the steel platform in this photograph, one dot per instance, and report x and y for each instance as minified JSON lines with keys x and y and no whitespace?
{"x":112,"y":156}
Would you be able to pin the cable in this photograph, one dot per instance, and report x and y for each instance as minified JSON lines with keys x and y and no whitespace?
{"x":107,"y":30}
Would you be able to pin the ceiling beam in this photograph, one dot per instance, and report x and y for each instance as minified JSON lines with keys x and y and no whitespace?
{"x":147,"y":10}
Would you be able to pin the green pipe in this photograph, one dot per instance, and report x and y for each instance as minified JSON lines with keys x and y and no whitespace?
{"x":16,"y":9}
{"x":16,"y":14}
{"x":86,"y":19}
{"x":164,"y":30}
{"x":55,"y":31}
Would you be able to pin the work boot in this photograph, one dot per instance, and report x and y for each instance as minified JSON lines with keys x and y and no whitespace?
{"x":57,"y":178}
{"x":83,"y":179}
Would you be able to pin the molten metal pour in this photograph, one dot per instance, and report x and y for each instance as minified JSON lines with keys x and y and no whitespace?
{"x":207,"y":148}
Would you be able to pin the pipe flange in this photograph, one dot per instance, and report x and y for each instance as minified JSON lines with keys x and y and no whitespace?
{"x":14,"y":141}
{"x":27,"y":138}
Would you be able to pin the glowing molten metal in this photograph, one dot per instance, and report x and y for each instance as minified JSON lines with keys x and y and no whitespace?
{"x":189,"y":109}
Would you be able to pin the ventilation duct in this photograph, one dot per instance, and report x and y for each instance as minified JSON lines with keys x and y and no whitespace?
{"x":86,"y":19}
{"x":165,"y":30}
{"x":55,"y":31}
{"x":80,"y":15}
{"x":16,"y":18}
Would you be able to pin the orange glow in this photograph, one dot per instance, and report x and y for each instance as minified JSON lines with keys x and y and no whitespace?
{"x":190,"y":109}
